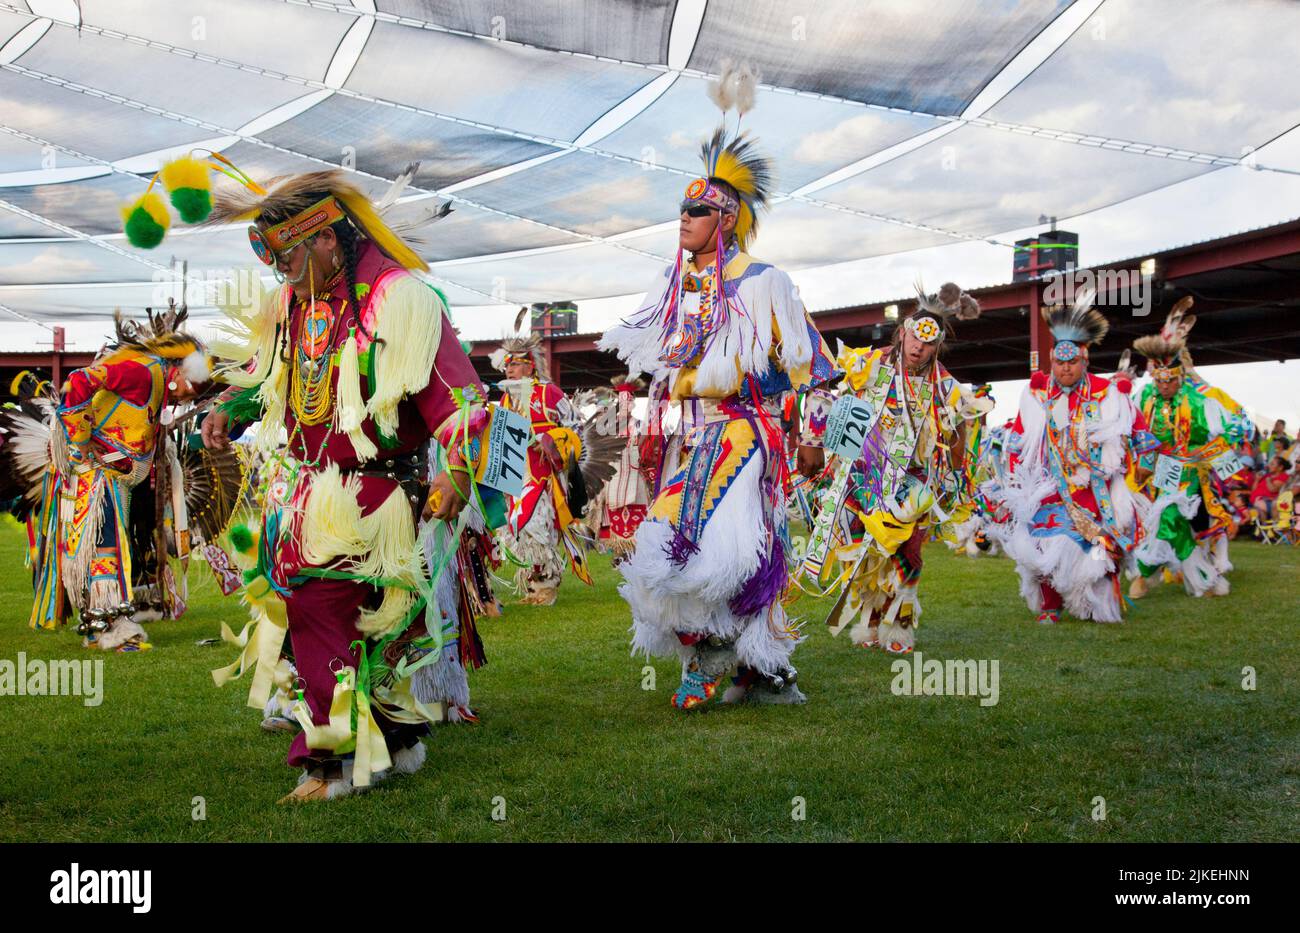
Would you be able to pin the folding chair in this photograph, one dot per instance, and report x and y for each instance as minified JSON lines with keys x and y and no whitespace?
{"x":1286,"y":524}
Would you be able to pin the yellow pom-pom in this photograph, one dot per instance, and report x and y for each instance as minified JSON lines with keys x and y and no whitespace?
{"x":145,"y":220}
{"x":188,"y":181}
{"x":186,"y":172}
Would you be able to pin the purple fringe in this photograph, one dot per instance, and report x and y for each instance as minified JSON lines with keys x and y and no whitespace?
{"x":874,"y":456}
{"x":764,"y":587}
{"x":681,"y":549}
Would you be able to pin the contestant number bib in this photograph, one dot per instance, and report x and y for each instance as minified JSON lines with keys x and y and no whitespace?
{"x":847,"y":426}
{"x":506,"y":459}
{"x":1168,"y":474}
{"x":1226,"y":464}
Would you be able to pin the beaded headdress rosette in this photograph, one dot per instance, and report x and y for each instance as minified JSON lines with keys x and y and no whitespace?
{"x":932,"y":319}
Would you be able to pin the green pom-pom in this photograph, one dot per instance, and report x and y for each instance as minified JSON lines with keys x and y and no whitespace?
{"x":467,"y":346}
{"x":142,"y":230}
{"x":241,"y":539}
{"x":193,"y":204}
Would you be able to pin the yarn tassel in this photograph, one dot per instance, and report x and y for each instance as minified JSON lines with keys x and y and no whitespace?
{"x":765,"y":586}
{"x":681,"y":548}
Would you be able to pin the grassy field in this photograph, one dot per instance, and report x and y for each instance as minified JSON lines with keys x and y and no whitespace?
{"x":1150,"y":715}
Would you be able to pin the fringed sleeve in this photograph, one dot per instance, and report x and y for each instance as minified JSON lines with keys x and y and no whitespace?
{"x":126,"y":378}
{"x":408,"y":327}
{"x":451,"y":370}
{"x":799,"y":346}
{"x":637,"y":340}
{"x":414,"y":357}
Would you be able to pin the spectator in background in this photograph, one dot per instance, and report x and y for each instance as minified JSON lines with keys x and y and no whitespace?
{"x":1293,"y":479}
{"x":1277,"y":443}
{"x":1263,"y":498}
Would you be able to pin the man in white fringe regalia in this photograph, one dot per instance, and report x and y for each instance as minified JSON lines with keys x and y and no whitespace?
{"x":725,"y":336}
{"x":1072,"y":444}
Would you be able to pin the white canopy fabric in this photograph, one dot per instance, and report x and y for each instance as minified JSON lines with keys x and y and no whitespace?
{"x":564,"y":131}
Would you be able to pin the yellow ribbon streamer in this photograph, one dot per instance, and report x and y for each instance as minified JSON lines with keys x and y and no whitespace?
{"x":261,"y":650}
{"x":371,"y":749}
{"x":367,"y":742}
{"x":336,"y":734}
{"x":399,"y":705}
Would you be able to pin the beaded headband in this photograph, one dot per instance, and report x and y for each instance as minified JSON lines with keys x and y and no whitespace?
{"x":704,"y":191}
{"x":924,"y":328}
{"x":1066,"y":351}
{"x":285,"y":236}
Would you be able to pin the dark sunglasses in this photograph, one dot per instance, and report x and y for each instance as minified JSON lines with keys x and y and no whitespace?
{"x":697,"y":210}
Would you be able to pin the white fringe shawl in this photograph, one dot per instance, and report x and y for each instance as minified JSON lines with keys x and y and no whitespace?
{"x":742,"y":347}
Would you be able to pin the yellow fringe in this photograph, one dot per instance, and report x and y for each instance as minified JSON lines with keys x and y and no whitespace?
{"x":331,"y":517}
{"x":409,"y":321}
{"x":379,"y":622}
{"x":381,"y":545}
{"x":248,"y":334}
{"x":349,"y":407}
{"x":273,"y":393}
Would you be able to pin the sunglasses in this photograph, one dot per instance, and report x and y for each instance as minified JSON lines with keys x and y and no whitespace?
{"x":697,"y":210}
{"x":262,"y":248}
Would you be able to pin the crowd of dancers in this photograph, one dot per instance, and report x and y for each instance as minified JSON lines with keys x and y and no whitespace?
{"x":739,"y":464}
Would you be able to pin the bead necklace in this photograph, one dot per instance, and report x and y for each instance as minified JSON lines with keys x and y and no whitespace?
{"x":311,"y":392}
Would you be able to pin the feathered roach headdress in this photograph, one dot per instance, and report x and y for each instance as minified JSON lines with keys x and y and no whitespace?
{"x":295,"y":207}
{"x":931,"y":322}
{"x":299,"y":206}
{"x":737,"y":179}
{"x":515,"y":349}
{"x":630,"y":382}
{"x":162,"y":337}
{"x":1076,"y":327}
{"x":1166,"y":352}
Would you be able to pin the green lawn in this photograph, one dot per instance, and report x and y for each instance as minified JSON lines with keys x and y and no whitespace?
{"x":1150,"y":715}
